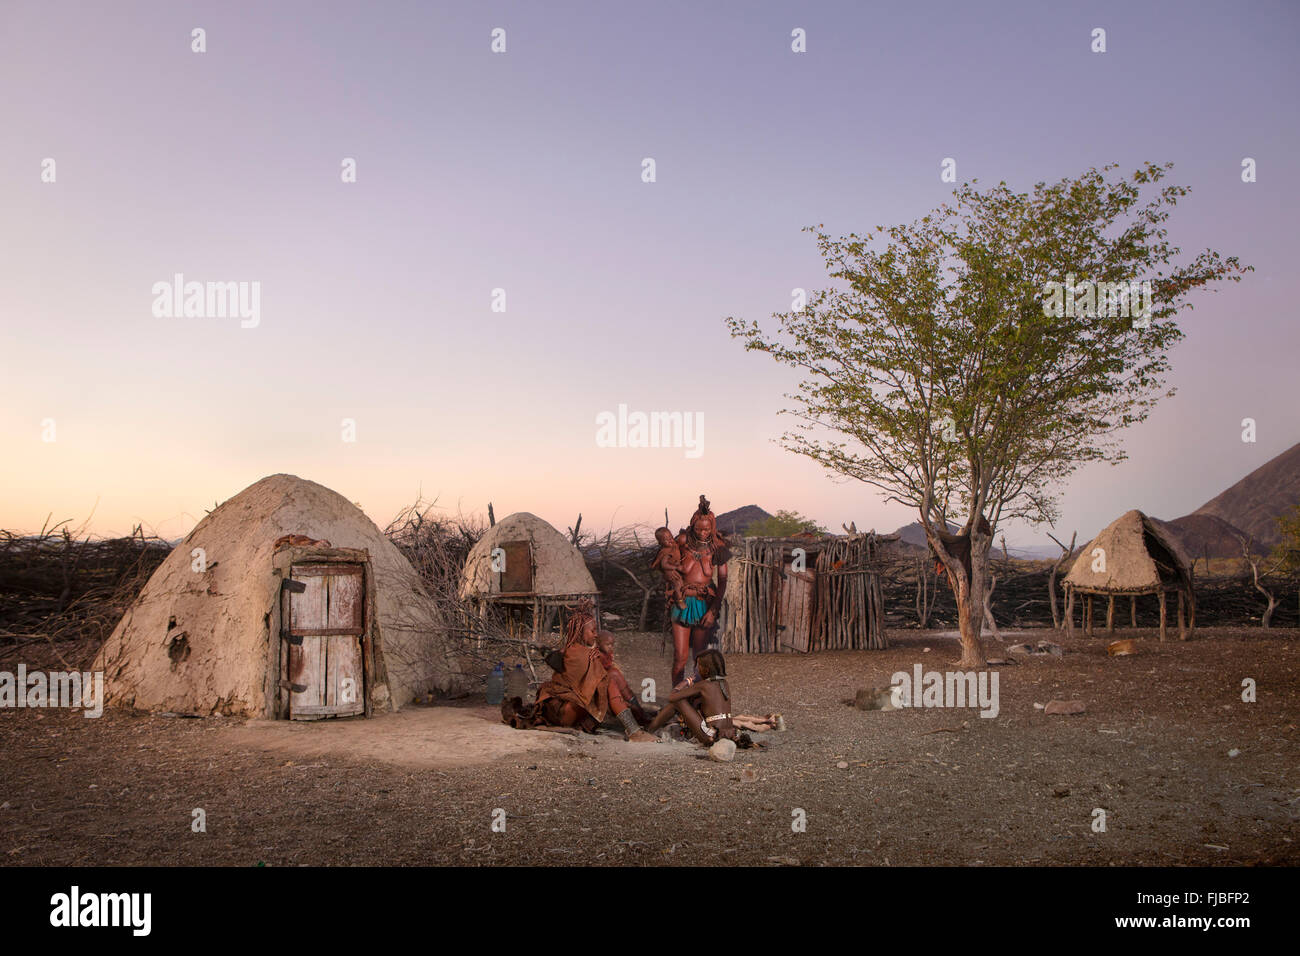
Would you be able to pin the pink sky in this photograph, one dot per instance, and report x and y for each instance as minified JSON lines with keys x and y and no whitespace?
{"x":522,"y":171}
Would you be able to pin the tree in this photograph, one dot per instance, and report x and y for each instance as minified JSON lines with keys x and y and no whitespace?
{"x":951,"y":367}
{"x":783,"y":524}
{"x":1287,"y":552}
{"x":1057,"y":567}
{"x":1254,"y":560}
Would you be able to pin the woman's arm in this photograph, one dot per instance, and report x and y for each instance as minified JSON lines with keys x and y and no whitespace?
{"x":685,"y":692}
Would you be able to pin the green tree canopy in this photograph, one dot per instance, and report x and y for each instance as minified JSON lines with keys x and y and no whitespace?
{"x":783,"y":524}
{"x":945,"y":366}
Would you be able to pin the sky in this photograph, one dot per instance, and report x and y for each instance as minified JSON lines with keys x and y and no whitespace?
{"x":377,"y":364}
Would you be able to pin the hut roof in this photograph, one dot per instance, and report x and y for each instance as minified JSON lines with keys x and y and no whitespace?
{"x":559,"y":568}
{"x":1141,"y":555}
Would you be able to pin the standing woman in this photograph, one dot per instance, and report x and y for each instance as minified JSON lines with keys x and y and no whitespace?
{"x":703,"y":551}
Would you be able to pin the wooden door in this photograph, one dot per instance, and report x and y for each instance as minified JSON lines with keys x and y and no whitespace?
{"x":794,"y":616}
{"x":517,"y":577}
{"x":326,"y":622}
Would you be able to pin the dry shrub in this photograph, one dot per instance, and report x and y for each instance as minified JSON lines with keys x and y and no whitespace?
{"x":68,"y":589}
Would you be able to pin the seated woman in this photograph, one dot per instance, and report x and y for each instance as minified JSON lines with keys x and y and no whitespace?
{"x":579,"y":695}
{"x":704,"y":706}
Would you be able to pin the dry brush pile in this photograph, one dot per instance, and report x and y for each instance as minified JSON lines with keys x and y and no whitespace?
{"x":66,"y":588}
{"x":1021,"y":597}
{"x":631,"y":593}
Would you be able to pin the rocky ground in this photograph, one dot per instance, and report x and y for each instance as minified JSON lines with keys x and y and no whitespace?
{"x":1185,"y":771}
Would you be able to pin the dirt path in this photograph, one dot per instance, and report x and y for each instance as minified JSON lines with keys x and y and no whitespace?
{"x":920,"y":786}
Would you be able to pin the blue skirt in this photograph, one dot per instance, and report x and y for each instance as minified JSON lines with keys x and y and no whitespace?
{"x":693,"y":613}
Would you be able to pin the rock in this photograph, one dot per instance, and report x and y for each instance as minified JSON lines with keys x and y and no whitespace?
{"x":724,"y":751}
{"x":1061,"y":792}
{"x":1065,"y":707}
{"x":1020,"y":649}
{"x":748,"y":775}
{"x":1047,"y":647}
{"x":1234,"y":752}
{"x":843,"y":765}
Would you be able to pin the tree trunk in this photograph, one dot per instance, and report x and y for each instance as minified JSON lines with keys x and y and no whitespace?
{"x":1057,"y":567}
{"x":970,"y":603}
{"x":967,"y":591}
{"x":1051,"y":596}
{"x":1267,"y":620}
{"x":988,"y":608}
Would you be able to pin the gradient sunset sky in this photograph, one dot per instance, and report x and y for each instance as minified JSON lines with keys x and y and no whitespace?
{"x":522,"y":171}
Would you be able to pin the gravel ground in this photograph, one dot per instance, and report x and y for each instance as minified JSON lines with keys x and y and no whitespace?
{"x":1186,"y":772}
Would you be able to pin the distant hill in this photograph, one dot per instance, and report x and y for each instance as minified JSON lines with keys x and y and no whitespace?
{"x":739,"y":520}
{"x":911,"y":537}
{"x":1201,"y":535}
{"x":913,"y":534}
{"x":1254,"y":503}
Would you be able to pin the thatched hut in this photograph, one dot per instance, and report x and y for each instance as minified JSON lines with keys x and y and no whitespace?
{"x":804,"y":593}
{"x":1134,"y":556}
{"x":528,"y":568}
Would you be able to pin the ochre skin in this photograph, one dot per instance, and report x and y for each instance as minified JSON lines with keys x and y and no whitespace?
{"x":583,"y":692}
{"x":669,"y":562}
{"x":694,"y":702}
{"x":697,"y":572}
{"x":618,"y":685}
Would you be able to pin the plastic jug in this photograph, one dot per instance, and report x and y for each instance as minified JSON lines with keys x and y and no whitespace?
{"x":496,"y":685}
{"x":517,"y":683}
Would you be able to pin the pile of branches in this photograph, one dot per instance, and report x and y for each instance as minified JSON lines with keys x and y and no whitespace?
{"x":62,"y":585}
{"x":437,"y":544}
{"x":1231,"y":600}
{"x":631,"y":593}
{"x":915,"y":598}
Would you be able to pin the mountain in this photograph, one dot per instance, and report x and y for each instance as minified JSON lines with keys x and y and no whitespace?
{"x":1254,"y":503}
{"x":1201,"y":535}
{"x":739,"y":520}
{"x":914,"y":535}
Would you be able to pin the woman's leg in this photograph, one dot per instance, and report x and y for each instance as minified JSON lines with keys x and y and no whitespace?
{"x":692,"y":719}
{"x":661,"y":719}
{"x":700,"y":640}
{"x":681,"y":651}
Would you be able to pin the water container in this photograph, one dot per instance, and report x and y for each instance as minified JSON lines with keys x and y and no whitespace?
{"x":517,"y":683}
{"x":496,"y":685}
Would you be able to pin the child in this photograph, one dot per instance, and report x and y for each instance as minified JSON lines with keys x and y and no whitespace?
{"x":617,"y":682}
{"x":704,"y":705}
{"x":669,"y":562}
